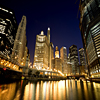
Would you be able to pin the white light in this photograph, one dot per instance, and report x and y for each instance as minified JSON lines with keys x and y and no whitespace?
{"x":48,"y":28}
{"x":11,"y":12}
{"x":42,"y":33}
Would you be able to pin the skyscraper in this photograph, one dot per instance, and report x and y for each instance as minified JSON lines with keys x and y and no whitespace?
{"x":42,"y":51}
{"x":90,"y":31}
{"x":74,"y":58}
{"x":63,"y":56}
{"x":56,"y":52}
{"x":83,"y":67}
{"x":82,"y":57}
{"x":57,"y":62}
{"x":8,"y":29}
{"x":20,"y":42}
{"x":51,"y":54}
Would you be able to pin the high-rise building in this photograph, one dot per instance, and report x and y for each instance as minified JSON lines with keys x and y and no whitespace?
{"x":57,"y":62}
{"x":83,"y":67}
{"x":56,"y":52}
{"x":90,"y":31}
{"x":74,"y":59}
{"x":42,"y":51}
{"x":51,"y":54}
{"x":8,"y":29}
{"x":20,"y":42}
{"x":69,"y":69}
{"x":63,"y":56}
{"x":82,"y":57}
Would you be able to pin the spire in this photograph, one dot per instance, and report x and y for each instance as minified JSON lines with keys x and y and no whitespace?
{"x":56,"y":52}
{"x":42,"y":33}
{"x":48,"y":34}
{"x":23,"y":22}
{"x":56,"y":48}
{"x":20,"y":40}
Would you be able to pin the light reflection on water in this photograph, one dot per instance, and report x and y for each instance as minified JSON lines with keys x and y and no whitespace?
{"x":50,"y":90}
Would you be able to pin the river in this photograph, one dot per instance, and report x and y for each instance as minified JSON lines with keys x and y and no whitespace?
{"x":50,"y":90}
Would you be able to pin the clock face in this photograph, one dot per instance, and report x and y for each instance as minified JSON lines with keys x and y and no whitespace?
{"x":2,"y":28}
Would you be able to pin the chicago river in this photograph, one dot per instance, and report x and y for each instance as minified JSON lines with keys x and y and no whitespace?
{"x":50,"y":90}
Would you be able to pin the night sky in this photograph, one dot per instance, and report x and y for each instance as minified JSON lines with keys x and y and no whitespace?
{"x":59,"y":15}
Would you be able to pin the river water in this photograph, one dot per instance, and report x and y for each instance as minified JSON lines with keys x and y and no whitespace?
{"x":50,"y":90}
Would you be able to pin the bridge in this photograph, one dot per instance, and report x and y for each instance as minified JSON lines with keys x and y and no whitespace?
{"x":12,"y":70}
{"x":75,"y":76}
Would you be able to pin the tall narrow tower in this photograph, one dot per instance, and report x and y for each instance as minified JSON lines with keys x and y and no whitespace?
{"x":20,"y":41}
{"x":48,"y":34}
{"x":57,"y":52}
{"x":63,"y":56}
{"x":74,"y":58}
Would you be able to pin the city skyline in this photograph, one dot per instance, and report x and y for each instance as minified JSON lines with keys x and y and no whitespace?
{"x":61,"y":17}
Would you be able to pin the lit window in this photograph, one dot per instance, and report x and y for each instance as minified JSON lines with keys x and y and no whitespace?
{"x":2,"y":28}
{"x":11,"y":12}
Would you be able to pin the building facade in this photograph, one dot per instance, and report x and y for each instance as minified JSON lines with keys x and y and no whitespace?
{"x":74,"y":59}
{"x":90,"y":31}
{"x":82,"y":57}
{"x":63,"y":56}
{"x":19,"y":47}
{"x":8,"y":29}
{"x":42,"y":51}
{"x":51,"y":54}
{"x":57,"y":62}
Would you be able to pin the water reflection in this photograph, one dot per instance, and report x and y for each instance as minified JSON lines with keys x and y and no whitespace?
{"x":50,"y":90}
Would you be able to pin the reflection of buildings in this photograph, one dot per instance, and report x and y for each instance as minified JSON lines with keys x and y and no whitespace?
{"x":43,"y":51}
{"x":20,"y":50}
{"x":8,"y":28}
{"x":74,"y":58}
{"x":90,"y":31}
{"x":63,"y":56}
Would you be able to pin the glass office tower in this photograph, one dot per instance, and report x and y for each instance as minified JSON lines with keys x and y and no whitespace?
{"x":8,"y":29}
{"x":90,"y":31}
{"x":74,"y":59}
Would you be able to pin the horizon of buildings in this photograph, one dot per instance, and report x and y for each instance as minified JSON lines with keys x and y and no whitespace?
{"x":44,"y":50}
{"x":44,"y":56}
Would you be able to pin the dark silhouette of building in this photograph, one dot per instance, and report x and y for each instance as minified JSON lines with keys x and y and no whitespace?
{"x":74,"y":59}
{"x":8,"y":29}
{"x":90,"y":31}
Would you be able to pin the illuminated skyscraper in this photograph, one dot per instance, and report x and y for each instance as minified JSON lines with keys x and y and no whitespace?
{"x":82,"y":57}
{"x":8,"y":29}
{"x":56,"y":52}
{"x":74,"y":58}
{"x":51,"y":54}
{"x":20,"y":41}
{"x":57,"y":62}
{"x":63,"y":56}
{"x":90,"y":31}
{"x":42,"y":51}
